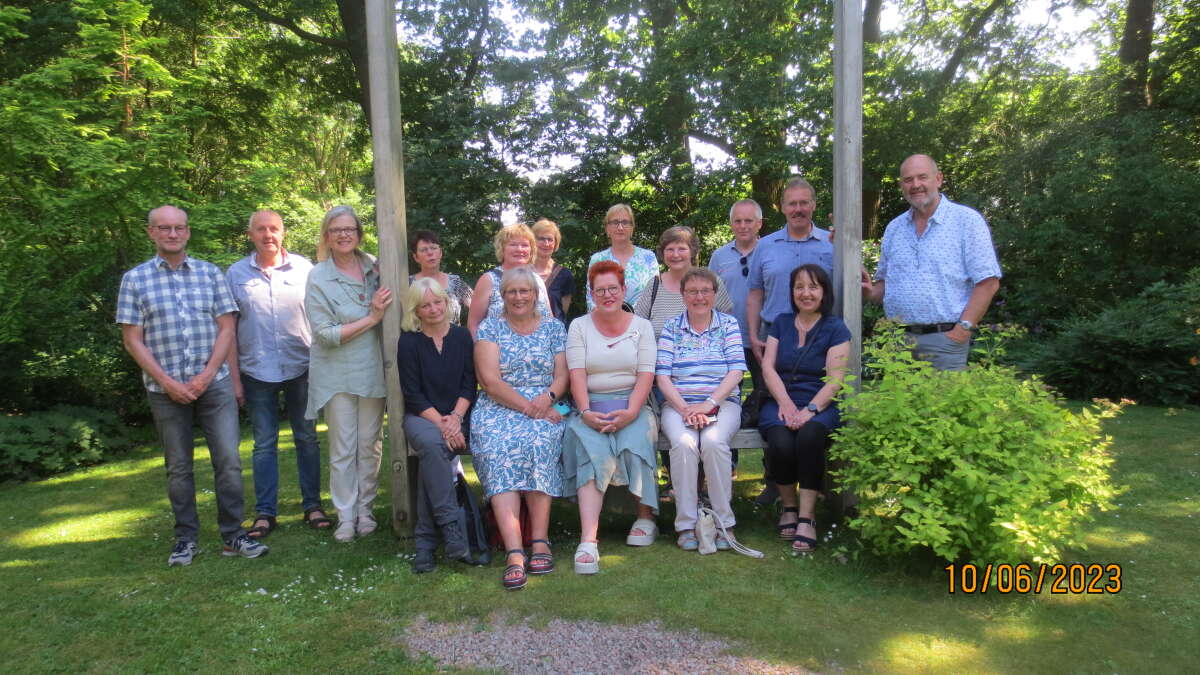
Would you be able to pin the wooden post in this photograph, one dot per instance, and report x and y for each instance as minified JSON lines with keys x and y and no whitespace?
{"x":847,"y":176}
{"x":387,"y":144}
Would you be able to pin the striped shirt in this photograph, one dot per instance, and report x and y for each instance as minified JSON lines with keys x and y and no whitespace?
{"x":697,"y":362}
{"x":177,"y":310}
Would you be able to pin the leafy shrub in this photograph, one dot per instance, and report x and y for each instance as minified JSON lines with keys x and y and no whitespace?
{"x":1145,"y":348}
{"x":979,"y":465}
{"x":45,"y":442}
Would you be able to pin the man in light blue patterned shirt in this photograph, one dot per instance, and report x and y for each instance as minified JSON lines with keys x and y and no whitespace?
{"x":269,"y":360}
{"x":176,"y":317}
{"x":937,"y":269}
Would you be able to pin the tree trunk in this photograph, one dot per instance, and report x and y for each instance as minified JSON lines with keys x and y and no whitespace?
{"x":1134,"y":55}
{"x":354,"y":26}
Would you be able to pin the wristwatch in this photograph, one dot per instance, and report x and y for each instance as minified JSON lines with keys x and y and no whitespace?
{"x":553,"y":398}
{"x":966,"y":325}
{"x":812,"y":408}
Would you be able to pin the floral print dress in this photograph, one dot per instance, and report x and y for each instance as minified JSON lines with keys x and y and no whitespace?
{"x":512,"y":451}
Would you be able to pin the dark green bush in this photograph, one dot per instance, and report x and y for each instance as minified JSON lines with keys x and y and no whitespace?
{"x":49,"y":441}
{"x":1145,"y":348}
{"x":979,"y":465}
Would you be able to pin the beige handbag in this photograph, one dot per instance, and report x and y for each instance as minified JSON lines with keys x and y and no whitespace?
{"x":707,"y":525}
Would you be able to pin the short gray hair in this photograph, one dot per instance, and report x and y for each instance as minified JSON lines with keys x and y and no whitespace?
{"x":522,"y":273}
{"x":751,"y":202}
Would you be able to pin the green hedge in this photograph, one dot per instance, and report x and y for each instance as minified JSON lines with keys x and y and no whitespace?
{"x":40,"y":443}
{"x":1146,"y":348}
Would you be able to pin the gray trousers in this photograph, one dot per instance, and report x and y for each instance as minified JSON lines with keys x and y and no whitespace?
{"x":437,"y":504}
{"x":217,"y":412}
{"x":941,"y":351}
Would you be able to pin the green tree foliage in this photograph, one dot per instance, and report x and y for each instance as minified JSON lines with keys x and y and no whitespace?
{"x":973,"y":466}
{"x":135,"y":110}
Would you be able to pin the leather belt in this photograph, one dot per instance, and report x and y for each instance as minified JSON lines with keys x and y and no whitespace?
{"x":927,"y":328}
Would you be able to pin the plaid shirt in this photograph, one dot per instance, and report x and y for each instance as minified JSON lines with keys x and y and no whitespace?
{"x":177,"y":310}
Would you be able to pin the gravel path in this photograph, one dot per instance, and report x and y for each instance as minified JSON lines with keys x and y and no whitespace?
{"x":576,"y":647}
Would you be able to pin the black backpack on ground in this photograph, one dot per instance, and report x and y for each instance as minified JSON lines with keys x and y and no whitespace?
{"x":471,"y":520}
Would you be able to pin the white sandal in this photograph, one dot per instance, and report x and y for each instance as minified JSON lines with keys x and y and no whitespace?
{"x":587,"y":548}
{"x":645,"y":525}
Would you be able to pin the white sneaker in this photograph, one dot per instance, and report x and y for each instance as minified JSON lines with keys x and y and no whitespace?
{"x":345,"y":531}
{"x":366,"y":524}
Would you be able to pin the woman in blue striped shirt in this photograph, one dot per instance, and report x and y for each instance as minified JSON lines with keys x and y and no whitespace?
{"x":699,"y":372}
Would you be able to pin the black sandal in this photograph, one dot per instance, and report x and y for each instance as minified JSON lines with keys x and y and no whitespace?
{"x":541,"y":563}
{"x":261,"y":531}
{"x":321,"y":522}
{"x":788,"y":530}
{"x":517,"y":582}
{"x":809,"y":544}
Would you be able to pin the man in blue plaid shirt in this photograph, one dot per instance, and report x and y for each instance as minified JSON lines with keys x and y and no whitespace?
{"x":177,"y":321}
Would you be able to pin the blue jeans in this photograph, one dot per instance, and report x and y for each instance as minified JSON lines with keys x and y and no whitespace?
{"x":262,"y":403}
{"x":216,"y":411}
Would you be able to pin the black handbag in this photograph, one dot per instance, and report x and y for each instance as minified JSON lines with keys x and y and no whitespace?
{"x":470,"y":519}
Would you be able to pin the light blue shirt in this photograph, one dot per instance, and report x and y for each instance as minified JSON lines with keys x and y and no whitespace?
{"x":776,"y":256}
{"x":727,"y":263}
{"x":641,"y":268}
{"x":930,"y":278}
{"x":177,"y":310}
{"x":273,"y":336}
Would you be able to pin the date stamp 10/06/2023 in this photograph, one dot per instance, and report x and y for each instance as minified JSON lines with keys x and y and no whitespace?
{"x":1059,"y":579}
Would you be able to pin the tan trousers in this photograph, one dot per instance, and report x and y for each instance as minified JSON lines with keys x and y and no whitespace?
{"x":355,"y":452}
{"x":690,"y":447}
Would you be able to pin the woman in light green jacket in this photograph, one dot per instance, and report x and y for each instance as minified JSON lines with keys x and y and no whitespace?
{"x":345,"y":305}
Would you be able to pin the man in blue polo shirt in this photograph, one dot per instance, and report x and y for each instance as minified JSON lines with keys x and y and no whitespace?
{"x":176,"y":317}
{"x":937,"y":268}
{"x":799,"y":242}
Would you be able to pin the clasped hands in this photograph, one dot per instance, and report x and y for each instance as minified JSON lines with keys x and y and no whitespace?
{"x":451,"y":428}
{"x":541,"y":407}
{"x":695,"y":415}
{"x":610,"y":422}
{"x":794,"y":417}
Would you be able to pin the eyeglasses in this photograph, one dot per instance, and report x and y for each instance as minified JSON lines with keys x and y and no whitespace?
{"x":607,"y":290}
{"x":518,"y":292}
{"x":698,"y":292}
{"x":342,"y":231}
{"x":745,"y":261}
{"x":620,"y":224}
{"x":168,"y":229}
{"x":431,"y":248}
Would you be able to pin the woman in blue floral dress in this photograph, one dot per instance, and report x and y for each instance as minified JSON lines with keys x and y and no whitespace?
{"x":516,"y":433}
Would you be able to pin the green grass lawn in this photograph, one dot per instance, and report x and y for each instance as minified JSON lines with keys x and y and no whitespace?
{"x":86,"y":587}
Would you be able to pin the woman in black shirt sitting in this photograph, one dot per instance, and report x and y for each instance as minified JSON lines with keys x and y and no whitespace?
{"x":437,"y":374}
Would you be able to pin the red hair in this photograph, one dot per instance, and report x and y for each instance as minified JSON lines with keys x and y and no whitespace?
{"x":606,"y":267}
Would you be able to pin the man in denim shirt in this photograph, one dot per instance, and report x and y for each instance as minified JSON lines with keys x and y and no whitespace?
{"x":176,"y":318}
{"x":270,"y":358}
{"x":937,"y":268}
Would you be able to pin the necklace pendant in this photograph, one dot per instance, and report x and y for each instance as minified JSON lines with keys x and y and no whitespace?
{"x":361,"y":296}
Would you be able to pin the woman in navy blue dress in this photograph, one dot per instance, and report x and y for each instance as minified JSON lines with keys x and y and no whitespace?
{"x":802,"y":349}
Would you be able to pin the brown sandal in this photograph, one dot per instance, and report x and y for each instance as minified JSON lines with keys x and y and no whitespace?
{"x":261,"y":531}
{"x":320,"y":522}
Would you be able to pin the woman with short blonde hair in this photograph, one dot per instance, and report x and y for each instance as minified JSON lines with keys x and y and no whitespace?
{"x":514,"y":246}
{"x":560,"y":283}
{"x":437,"y":376}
